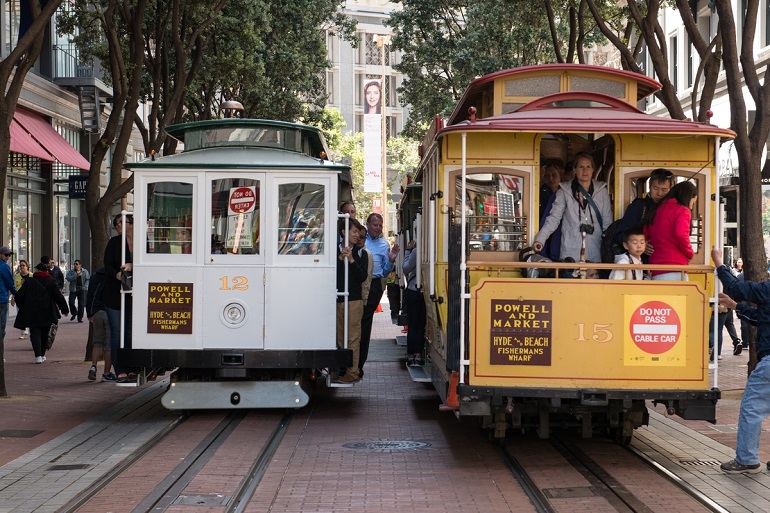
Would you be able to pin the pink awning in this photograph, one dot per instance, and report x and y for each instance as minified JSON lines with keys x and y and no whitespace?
{"x":22,"y":142}
{"x":48,"y":138}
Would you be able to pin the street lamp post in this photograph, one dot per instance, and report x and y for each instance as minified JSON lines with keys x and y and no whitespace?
{"x":382,"y":42}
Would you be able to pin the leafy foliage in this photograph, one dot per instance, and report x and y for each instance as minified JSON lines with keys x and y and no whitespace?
{"x":447,"y":44}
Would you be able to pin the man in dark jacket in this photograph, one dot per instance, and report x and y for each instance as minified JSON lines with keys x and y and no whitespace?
{"x":54,"y":270}
{"x":755,"y":405}
{"x":38,"y":300}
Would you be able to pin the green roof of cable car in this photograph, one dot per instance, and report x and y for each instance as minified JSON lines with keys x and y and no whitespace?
{"x":245,"y":143}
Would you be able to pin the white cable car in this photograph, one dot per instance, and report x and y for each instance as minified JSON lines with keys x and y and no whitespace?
{"x":235,"y":264}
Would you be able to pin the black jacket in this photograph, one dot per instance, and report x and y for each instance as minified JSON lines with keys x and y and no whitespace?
{"x":94,"y":301}
{"x":38,"y":300}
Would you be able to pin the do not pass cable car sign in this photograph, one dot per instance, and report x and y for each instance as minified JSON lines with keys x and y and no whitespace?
{"x":655,"y":327}
{"x":242,"y":200}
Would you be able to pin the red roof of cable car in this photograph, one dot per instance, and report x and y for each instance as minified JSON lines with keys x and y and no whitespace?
{"x":543,"y":115}
{"x":645,"y":86}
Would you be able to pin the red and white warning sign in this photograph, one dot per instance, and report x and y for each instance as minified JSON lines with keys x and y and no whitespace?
{"x":242,"y":200}
{"x":655,"y":327}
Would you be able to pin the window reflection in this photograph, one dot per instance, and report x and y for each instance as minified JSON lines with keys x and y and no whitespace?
{"x":235,"y":213}
{"x":169,"y":217}
{"x":493,"y":208}
{"x":301,"y":219}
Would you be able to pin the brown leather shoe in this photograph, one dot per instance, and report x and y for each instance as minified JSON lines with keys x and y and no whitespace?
{"x":347,"y":378}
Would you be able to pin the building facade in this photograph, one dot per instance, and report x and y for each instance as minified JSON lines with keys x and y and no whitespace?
{"x":352,"y":68}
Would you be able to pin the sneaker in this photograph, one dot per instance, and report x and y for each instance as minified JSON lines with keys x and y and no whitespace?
{"x":92,"y":373}
{"x":43,"y":357}
{"x":738,"y":349}
{"x":419,"y":361}
{"x":733,"y":467}
{"x":38,"y":359}
{"x":109,"y":377}
{"x":129,"y":378}
{"x":73,"y":317}
{"x":410,"y":360}
{"x":719,"y":357}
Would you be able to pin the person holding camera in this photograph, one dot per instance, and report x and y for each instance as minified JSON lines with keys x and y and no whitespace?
{"x":78,"y":278}
{"x":582,"y":209}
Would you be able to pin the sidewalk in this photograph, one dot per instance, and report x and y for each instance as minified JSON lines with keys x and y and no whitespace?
{"x":48,"y":399}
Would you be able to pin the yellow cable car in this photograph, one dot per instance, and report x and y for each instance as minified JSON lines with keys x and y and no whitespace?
{"x":522,"y":351}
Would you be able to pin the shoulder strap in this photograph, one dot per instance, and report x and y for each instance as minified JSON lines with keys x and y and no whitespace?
{"x":591,"y":202}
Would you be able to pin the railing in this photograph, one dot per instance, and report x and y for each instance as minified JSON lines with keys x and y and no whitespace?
{"x":67,"y":63}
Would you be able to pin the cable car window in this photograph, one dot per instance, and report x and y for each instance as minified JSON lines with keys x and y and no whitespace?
{"x":235,"y":216}
{"x":301,"y":219}
{"x":493,"y":208}
{"x":169,"y":217}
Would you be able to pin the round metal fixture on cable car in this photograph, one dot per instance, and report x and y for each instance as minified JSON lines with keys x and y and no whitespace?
{"x":231,"y":107}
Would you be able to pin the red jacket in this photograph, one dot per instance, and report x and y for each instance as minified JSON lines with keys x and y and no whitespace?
{"x":669,"y":235}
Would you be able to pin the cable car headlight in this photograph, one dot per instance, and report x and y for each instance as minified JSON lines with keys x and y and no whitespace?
{"x":234,"y":315}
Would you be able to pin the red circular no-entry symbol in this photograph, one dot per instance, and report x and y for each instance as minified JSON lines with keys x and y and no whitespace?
{"x":242,"y":200}
{"x":655,"y":327}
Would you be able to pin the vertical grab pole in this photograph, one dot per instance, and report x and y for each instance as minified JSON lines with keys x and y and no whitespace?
{"x":418,"y":247}
{"x":432,"y":247}
{"x":123,"y":214}
{"x":718,"y":242}
{"x":463,"y":292}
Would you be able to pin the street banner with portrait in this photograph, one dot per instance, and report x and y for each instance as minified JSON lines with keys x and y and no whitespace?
{"x":372,"y":136}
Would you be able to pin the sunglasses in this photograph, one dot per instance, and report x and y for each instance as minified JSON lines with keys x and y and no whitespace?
{"x":668,"y":175}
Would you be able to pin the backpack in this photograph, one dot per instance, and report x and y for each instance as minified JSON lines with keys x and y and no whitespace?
{"x":95,"y":287}
{"x":610,"y":247}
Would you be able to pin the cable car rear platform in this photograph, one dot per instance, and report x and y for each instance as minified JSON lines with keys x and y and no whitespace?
{"x":59,"y":433}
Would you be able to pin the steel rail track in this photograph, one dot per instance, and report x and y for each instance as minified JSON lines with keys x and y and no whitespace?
{"x":100,"y":484}
{"x":677,"y":481}
{"x":536,"y":496}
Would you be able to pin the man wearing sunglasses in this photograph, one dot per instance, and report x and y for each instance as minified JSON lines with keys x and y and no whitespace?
{"x":660,"y":182}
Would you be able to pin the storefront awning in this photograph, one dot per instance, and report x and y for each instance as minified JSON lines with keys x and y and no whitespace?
{"x":50,"y":140}
{"x":22,"y":142}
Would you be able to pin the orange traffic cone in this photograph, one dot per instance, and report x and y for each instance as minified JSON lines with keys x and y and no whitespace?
{"x":452,"y":400}
{"x":379,"y":308}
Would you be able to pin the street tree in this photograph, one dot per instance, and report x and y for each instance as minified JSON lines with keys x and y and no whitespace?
{"x":13,"y":72}
{"x":151,"y":50}
{"x":270,"y":56}
{"x":447,"y":44}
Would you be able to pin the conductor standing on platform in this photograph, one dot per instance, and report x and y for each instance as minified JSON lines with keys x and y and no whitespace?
{"x":755,"y":405}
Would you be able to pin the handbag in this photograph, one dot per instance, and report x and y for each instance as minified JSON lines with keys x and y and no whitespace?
{"x":51,"y":335}
{"x":127,"y":279}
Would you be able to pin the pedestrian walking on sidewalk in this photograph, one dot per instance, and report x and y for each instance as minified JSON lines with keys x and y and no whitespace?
{"x":38,"y":300}
{"x":78,"y":278}
{"x":7,"y":287}
{"x":21,"y":275}
{"x":101,"y":333}
{"x":755,"y":405}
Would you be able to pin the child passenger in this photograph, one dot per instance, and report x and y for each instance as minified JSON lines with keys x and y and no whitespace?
{"x":635,"y":243}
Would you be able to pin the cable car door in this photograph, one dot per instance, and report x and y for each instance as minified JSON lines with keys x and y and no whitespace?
{"x":234,"y":266}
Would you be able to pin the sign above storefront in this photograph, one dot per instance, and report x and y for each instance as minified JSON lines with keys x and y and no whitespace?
{"x":78,"y":185}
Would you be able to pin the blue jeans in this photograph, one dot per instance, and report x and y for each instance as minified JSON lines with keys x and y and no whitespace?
{"x":721,"y":318}
{"x":3,"y":318}
{"x":113,"y":317}
{"x":755,"y":406}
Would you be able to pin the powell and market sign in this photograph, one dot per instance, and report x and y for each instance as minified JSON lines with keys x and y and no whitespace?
{"x":78,"y":185}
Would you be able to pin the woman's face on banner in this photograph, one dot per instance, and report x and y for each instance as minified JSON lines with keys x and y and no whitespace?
{"x":373,"y":96}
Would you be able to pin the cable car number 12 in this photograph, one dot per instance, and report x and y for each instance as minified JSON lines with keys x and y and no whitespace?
{"x":237,"y":283}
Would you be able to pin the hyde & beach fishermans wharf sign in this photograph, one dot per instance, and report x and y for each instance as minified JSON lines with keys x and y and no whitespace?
{"x":521,"y":332}
{"x":169,"y":308}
